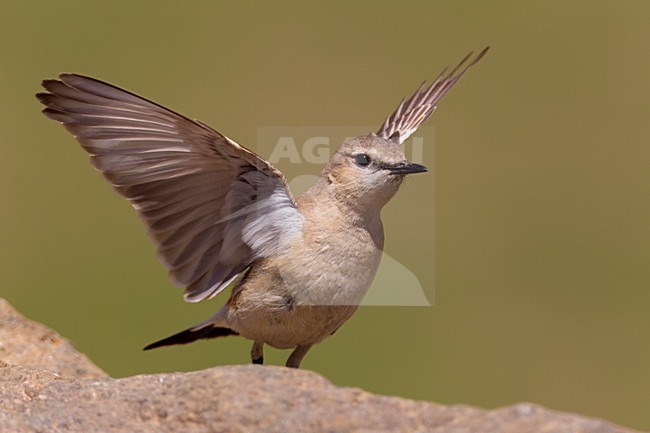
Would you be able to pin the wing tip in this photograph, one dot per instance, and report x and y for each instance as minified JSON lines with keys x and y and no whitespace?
{"x":430,"y":95}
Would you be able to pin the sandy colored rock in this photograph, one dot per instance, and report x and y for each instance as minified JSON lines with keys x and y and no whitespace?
{"x":30,"y":344}
{"x":231,"y":399}
{"x":247,"y":399}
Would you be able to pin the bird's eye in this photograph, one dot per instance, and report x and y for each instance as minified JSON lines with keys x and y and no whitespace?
{"x":362,"y":159}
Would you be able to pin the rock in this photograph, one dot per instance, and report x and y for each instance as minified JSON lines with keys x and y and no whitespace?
{"x":247,"y":398}
{"x":30,"y":344}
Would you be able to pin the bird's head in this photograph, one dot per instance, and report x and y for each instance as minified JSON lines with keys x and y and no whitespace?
{"x":367,"y":171}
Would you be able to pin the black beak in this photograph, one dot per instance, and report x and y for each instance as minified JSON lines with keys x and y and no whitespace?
{"x":407,"y":168}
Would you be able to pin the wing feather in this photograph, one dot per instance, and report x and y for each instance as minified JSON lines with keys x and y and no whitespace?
{"x":411,"y":113}
{"x":210,"y":205}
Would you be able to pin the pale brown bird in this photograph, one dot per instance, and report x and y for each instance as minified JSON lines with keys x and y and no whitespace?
{"x":216,"y":210}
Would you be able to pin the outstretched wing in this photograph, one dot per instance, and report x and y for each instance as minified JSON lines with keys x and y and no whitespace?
{"x":411,"y":113}
{"x":211,"y":206}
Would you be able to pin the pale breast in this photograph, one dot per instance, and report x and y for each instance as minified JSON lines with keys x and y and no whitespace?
{"x":339,"y":265}
{"x":308,"y":293}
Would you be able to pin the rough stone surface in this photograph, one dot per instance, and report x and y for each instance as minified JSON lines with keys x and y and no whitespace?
{"x":242,"y":399}
{"x":30,"y":344}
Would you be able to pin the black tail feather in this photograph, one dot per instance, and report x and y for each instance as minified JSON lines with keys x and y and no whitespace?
{"x":191,"y":334}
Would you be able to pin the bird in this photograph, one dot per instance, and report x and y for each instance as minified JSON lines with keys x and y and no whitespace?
{"x":220,"y":215}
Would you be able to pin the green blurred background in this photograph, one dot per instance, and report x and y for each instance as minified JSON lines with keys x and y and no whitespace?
{"x":539,"y":195}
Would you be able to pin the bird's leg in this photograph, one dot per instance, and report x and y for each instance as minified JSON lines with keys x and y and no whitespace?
{"x":297,"y":355}
{"x":257,"y":354}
